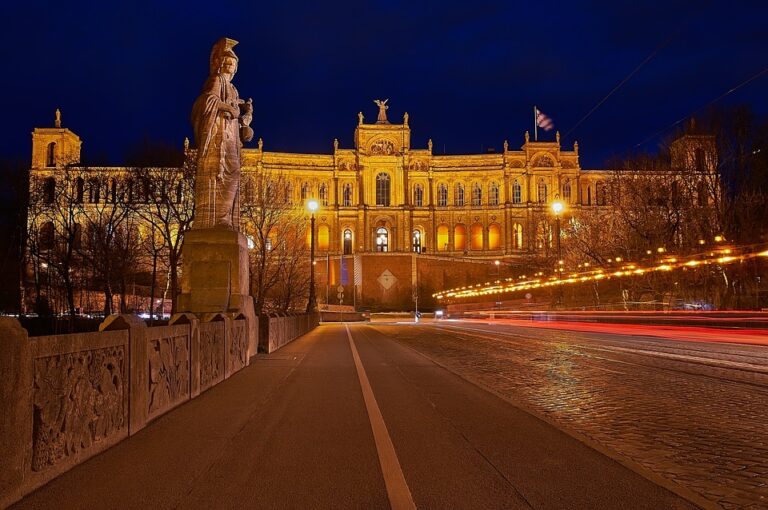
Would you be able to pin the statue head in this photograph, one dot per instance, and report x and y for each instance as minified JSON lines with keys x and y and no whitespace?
{"x":223,"y":59}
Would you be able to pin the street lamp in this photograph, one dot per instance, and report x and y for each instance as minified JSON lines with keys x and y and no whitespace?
{"x":557,"y":208}
{"x":312,"y":206}
{"x":497,"y":263}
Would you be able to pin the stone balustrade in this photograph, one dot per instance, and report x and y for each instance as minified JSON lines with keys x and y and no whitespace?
{"x":276,"y":330}
{"x":65,"y":398}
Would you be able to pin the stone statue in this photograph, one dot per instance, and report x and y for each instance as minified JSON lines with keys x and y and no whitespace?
{"x":221,"y":122}
{"x":429,"y":145}
{"x":382,"y":111}
{"x":335,"y":144}
{"x":261,"y":144}
{"x":527,"y":137}
{"x":58,"y":118}
{"x":405,"y":118}
{"x":359,"y":118}
{"x":506,"y":145}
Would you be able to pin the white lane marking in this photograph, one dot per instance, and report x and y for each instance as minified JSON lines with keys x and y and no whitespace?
{"x":397,"y":488}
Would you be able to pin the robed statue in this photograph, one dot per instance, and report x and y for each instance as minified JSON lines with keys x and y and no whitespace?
{"x":382,"y":111}
{"x":221,"y":122}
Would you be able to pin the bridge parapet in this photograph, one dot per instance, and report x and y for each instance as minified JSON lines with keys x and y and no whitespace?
{"x":65,"y":398}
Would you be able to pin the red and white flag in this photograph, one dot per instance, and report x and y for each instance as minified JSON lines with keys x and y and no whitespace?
{"x":543,"y":121}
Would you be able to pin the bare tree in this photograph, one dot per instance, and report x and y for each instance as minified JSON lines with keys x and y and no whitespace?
{"x":276,"y":230}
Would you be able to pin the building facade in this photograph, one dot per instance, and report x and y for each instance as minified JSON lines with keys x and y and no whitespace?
{"x":385,"y":197}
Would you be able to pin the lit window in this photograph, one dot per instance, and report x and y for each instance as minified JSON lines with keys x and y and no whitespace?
{"x":418,"y":195}
{"x":517,"y":193}
{"x":477,"y":194}
{"x":542,"y":191}
{"x":493,"y":194}
{"x":458,"y":195}
{"x":442,"y":195}
{"x":382,"y":190}
{"x":347,"y":195}
{"x":416,"y":241}
{"x":382,"y":239}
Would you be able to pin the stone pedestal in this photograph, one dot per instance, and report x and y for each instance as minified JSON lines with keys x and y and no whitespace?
{"x":215,"y":276}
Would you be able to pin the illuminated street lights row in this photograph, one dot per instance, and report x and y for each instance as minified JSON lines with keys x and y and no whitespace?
{"x":721,"y":257}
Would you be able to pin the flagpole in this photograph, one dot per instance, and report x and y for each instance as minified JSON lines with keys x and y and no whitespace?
{"x":535,"y":124}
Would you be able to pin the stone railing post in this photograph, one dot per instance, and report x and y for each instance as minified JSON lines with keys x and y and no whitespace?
{"x":138,"y":366}
{"x":15,"y":408}
{"x":194,"y":348}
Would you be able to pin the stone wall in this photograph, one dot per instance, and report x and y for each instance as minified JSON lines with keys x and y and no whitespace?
{"x":277,"y":330}
{"x":387,"y":281}
{"x":65,"y":398}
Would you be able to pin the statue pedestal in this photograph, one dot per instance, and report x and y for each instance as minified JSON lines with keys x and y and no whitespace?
{"x":215,"y":276}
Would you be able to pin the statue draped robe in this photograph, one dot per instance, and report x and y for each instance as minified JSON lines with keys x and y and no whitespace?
{"x":217,"y":134}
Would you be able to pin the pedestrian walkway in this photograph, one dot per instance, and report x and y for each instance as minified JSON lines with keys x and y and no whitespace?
{"x":344,"y":417}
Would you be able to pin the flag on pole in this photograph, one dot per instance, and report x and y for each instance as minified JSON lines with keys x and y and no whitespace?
{"x":543,"y":121}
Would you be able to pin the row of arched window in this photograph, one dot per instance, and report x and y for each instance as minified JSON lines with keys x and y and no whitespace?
{"x":97,"y":190}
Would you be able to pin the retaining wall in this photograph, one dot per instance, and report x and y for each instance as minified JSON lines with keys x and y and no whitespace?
{"x":65,"y":398}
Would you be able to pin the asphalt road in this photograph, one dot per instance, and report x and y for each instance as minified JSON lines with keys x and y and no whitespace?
{"x":358,"y":418}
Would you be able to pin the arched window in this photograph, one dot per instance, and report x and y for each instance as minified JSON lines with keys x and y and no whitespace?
{"x":517,"y":193}
{"x":542,"y":192}
{"x":323,"y":237}
{"x":493,"y":194}
{"x":347,"y":242}
{"x":305,"y":192}
{"x":700,"y":160}
{"x":179,"y":191}
{"x":543,"y":235}
{"x":600,"y":194}
{"x":477,"y":194}
{"x":567,"y":191}
{"x":288,"y":193}
{"x":323,"y":194}
{"x":50,"y":154}
{"x":460,"y":238}
{"x":442,"y":195}
{"x":347,"y":195}
{"x":494,"y":237}
{"x":382,"y":239}
{"x":47,"y":233}
{"x":94,"y":191}
{"x":442,"y":238}
{"x":416,"y":241}
{"x":77,"y":236}
{"x":476,"y":236}
{"x":49,"y":190}
{"x":517,"y":236}
{"x":458,"y":195}
{"x":382,"y":190}
{"x":418,"y":195}
{"x":79,"y":190}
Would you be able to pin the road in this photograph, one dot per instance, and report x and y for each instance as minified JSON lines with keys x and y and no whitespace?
{"x":452,"y":415}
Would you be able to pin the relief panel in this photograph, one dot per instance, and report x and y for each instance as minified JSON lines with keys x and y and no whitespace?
{"x":168,"y":373}
{"x":79,"y":399}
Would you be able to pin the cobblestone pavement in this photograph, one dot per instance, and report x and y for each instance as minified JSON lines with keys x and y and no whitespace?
{"x":696,"y":414}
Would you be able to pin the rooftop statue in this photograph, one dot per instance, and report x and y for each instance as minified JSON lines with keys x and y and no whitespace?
{"x":382,"y":111}
{"x":221,"y":122}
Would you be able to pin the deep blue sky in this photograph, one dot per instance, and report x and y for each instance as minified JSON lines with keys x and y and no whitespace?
{"x":467,"y":72}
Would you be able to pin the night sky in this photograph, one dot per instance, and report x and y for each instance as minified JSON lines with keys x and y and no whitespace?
{"x":468,"y":73}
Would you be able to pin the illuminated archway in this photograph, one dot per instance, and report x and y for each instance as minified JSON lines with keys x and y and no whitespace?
{"x":476,"y":237}
{"x":460,"y":237}
{"x":494,"y":237}
{"x":442,"y":238}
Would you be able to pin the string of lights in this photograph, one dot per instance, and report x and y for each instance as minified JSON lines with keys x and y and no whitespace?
{"x":717,"y":256}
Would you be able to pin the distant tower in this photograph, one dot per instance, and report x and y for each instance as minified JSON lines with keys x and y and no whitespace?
{"x":694,"y":151}
{"x":54,"y":147}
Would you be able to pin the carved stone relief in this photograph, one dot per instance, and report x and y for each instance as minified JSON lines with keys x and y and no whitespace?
{"x":79,"y":399}
{"x":382,"y":147}
{"x":168,"y":372}
{"x":211,"y":355}
{"x":545,"y":161}
{"x":238,"y":347}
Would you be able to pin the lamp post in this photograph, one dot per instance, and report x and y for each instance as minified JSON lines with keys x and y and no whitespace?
{"x":312,"y":206}
{"x":557,"y":208}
